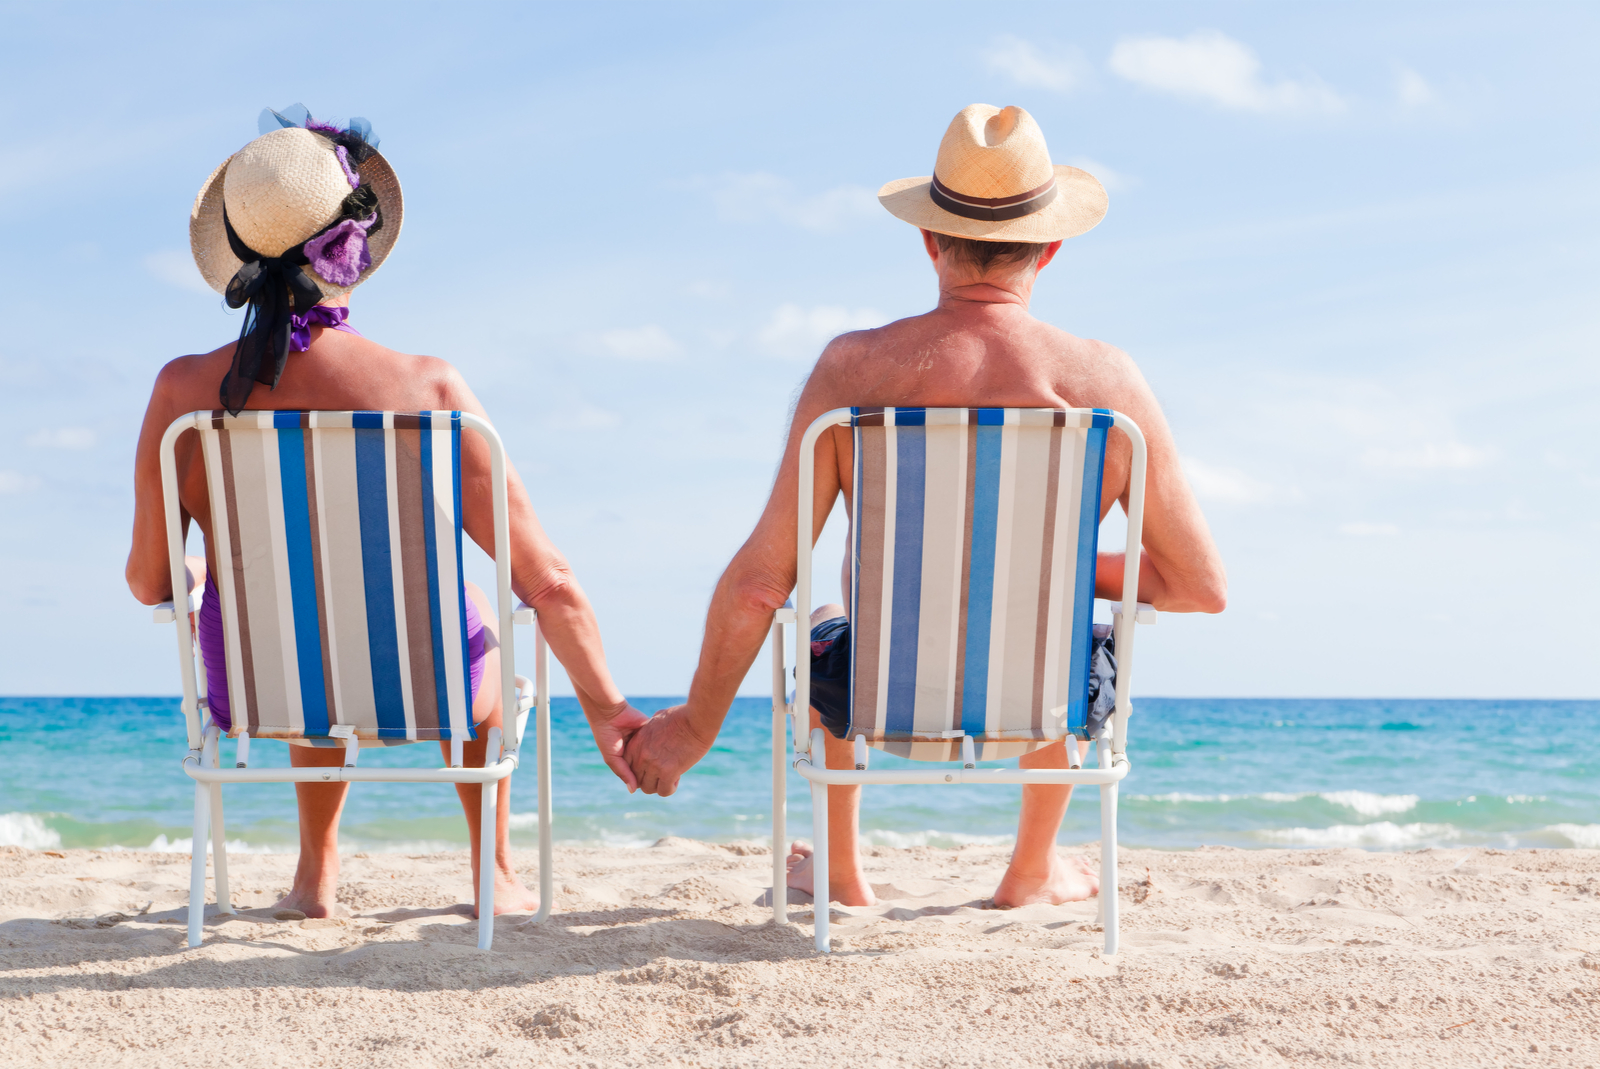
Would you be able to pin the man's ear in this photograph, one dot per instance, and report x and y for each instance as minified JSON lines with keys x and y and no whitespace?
{"x":1047,"y":255}
{"x":931,"y":243}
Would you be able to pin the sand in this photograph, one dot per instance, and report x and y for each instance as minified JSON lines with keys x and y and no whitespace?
{"x":664,"y":957}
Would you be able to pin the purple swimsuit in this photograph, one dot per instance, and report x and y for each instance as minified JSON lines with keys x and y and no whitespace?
{"x":213,"y":649}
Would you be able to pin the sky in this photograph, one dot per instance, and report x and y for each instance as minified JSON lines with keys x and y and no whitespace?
{"x":1353,"y":247}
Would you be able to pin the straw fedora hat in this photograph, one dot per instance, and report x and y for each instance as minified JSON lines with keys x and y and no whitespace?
{"x":993,"y":181}
{"x":279,"y":190}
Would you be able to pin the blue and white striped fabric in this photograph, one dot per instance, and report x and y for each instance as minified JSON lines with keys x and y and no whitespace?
{"x":339,"y":558}
{"x":972,"y":576}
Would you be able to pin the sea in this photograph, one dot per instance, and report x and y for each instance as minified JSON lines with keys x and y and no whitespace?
{"x":105,"y":773}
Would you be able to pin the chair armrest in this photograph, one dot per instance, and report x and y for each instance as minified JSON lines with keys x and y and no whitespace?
{"x":523,"y":613}
{"x":1146,"y":613}
{"x":167,"y":612}
{"x":784,"y":615}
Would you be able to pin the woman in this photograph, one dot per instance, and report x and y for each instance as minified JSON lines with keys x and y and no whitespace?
{"x":290,"y":225}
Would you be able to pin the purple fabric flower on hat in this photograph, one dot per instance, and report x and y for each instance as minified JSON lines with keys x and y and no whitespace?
{"x":339,"y":254}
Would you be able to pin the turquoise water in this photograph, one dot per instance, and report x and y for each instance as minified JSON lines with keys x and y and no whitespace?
{"x":104,"y":772}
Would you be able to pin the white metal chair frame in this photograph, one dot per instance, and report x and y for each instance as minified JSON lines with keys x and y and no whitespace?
{"x":809,"y":761}
{"x":202,"y":764}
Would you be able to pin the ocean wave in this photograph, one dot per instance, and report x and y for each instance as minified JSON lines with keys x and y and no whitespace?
{"x":1364,"y":803}
{"x":1384,"y":835}
{"x":1584,"y":836}
{"x":1371,"y":805}
{"x":162,"y":845}
{"x":28,"y":831}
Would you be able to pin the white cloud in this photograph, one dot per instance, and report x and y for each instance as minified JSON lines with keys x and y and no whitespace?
{"x":1229,"y":485}
{"x":649,"y":342}
{"x":1213,"y":66}
{"x":754,"y":198}
{"x":63,"y":438}
{"x":1024,"y":64}
{"x":14,"y":482}
{"x":802,"y":332}
{"x":1412,"y":89}
{"x":1369,"y":530}
{"x":1429,"y":456}
{"x":176,"y":269}
{"x":1113,"y":180}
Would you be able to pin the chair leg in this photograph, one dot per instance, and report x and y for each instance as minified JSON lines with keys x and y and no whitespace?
{"x":1108,"y":865}
{"x":541,"y":730}
{"x":780,"y":782}
{"x":219,"y":851}
{"x":547,"y":868}
{"x":819,"y":854}
{"x":486,"y":844}
{"x":197,"y":864}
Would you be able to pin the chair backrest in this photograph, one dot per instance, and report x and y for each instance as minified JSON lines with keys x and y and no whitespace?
{"x":339,"y":558}
{"x":972,"y":576}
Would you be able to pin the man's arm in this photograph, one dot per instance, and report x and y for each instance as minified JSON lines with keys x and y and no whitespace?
{"x":754,"y":586}
{"x":1180,"y":569}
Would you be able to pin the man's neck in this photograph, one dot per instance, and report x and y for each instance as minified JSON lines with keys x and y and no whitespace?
{"x":1002,"y":295}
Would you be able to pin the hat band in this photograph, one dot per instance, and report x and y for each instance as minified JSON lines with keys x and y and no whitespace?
{"x":993,"y":209}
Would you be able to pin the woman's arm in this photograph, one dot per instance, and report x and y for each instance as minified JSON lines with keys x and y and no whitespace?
{"x":148,"y":572}
{"x":541,"y":576}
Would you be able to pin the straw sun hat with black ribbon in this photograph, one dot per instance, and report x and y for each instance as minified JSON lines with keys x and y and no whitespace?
{"x":304,"y":212}
{"x":993,"y":181}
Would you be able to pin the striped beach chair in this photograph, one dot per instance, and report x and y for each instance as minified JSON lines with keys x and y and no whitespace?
{"x":343,"y":614}
{"x":972,"y":577}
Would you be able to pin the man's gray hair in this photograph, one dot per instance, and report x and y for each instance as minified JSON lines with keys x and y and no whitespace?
{"x":982,"y":256}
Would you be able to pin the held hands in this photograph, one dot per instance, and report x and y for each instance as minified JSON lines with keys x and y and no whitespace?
{"x":663,"y":749}
{"x":612,"y":731}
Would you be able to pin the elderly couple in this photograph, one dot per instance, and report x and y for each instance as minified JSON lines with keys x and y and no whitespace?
{"x":992,"y":216}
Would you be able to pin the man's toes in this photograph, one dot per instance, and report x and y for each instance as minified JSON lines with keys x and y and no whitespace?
{"x":799,"y":848}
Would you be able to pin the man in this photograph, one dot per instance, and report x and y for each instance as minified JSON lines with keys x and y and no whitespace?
{"x":992,"y":217}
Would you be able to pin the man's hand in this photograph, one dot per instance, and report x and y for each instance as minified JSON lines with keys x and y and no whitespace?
{"x":664,"y":749}
{"x":611,"y":734}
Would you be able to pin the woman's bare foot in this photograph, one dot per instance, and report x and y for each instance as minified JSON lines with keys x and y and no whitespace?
{"x":1067,"y":881}
{"x":848,"y":889}
{"x":510,"y":896}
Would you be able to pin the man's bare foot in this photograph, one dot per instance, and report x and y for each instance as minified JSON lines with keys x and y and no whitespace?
{"x":510,"y":896}
{"x":1069,"y":880}
{"x":849,"y":889}
{"x":312,"y":904}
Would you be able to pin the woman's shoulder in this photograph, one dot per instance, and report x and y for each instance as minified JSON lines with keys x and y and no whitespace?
{"x":427,"y":376}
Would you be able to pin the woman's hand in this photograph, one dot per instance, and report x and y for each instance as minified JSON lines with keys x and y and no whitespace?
{"x":612,"y":730}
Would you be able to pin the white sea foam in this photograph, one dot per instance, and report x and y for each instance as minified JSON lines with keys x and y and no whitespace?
{"x":1585,"y":836}
{"x":904,"y":839}
{"x":1384,"y":835}
{"x":162,"y":845}
{"x":28,"y":831}
{"x":1364,"y":803}
{"x":1524,"y":799}
{"x":1371,"y":805}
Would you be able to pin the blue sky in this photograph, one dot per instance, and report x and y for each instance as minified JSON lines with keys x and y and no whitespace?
{"x":1353,"y":247}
